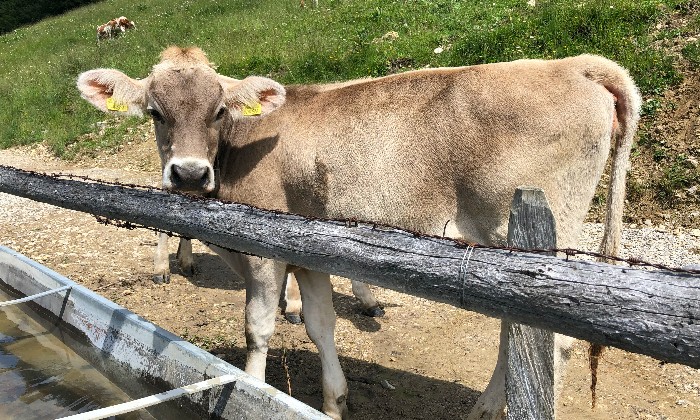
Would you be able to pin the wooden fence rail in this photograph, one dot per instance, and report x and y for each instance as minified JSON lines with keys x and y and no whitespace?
{"x":654,"y":313}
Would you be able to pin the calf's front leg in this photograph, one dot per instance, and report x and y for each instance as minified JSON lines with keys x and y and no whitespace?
{"x":161,"y":261}
{"x":263,"y":278}
{"x":319,"y":318}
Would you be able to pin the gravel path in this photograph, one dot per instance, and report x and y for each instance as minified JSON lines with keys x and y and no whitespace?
{"x":679,"y":248}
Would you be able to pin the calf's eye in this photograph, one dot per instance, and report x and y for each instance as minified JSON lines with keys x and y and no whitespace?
{"x":156,"y":115}
{"x":220,"y":114}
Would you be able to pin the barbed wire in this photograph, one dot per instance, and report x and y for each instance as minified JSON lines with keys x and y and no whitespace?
{"x":132,"y":226}
{"x":351,"y":222}
{"x":95,"y":180}
{"x":568,"y":252}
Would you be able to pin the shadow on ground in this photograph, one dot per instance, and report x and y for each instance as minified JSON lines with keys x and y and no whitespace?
{"x":16,"y":13}
{"x":414,"y":396}
{"x":212,"y":273}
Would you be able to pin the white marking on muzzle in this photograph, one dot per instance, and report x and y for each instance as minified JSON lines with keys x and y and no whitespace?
{"x":189,"y":174}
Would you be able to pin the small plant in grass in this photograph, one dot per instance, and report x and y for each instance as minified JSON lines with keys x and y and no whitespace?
{"x":691,"y":52}
{"x":678,"y":175}
{"x":651,"y":107}
{"x":635,"y":189}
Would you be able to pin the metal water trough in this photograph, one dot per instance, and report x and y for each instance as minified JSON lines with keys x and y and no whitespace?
{"x":130,"y":350}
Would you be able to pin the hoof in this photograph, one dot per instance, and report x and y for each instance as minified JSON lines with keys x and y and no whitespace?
{"x":187,"y":271}
{"x":375,"y":312}
{"x":293,"y":318}
{"x":161,"y":278}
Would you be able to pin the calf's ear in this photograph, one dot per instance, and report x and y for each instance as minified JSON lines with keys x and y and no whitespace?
{"x":113,"y":91}
{"x":253,"y":96}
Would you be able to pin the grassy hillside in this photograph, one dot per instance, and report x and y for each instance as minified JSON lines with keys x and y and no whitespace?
{"x":342,"y":39}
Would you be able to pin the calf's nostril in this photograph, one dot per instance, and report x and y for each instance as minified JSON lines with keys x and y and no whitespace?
{"x":175,"y":176}
{"x":189,"y":176}
{"x":204,"y":179}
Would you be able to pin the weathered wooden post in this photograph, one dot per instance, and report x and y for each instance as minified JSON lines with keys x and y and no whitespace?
{"x":530,"y":374}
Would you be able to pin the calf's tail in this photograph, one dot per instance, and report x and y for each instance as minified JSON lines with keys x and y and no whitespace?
{"x":628,"y":102}
{"x":618,"y":82}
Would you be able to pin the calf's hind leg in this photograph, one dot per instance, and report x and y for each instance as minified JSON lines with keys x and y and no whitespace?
{"x":184,"y":256}
{"x":292,"y":300}
{"x":491,"y":405}
{"x":293,"y":303}
{"x":369,"y":303}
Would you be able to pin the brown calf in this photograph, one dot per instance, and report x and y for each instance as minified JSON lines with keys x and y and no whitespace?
{"x":430,"y":150}
{"x":114,"y":28}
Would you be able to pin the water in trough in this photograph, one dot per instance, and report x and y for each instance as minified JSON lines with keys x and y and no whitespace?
{"x":41,"y":376}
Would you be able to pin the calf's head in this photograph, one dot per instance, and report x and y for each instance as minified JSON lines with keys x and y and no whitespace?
{"x":125,"y":23}
{"x":191,"y":105}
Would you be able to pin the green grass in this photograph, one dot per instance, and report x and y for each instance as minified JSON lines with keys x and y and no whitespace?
{"x":39,"y":63}
{"x":692,"y":53}
{"x":678,"y":175}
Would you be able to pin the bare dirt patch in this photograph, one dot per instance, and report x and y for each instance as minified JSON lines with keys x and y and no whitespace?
{"x":422,"y":360}
{"x":663,"y":181}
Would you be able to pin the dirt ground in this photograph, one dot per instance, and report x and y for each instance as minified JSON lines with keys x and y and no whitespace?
{"x":422,"y":360}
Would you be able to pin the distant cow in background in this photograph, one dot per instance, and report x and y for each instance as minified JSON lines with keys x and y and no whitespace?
{"x":114,"y":28}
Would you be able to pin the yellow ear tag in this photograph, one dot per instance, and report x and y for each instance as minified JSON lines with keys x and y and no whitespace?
{"x":251,"y":111}
{"x":113,"y":105}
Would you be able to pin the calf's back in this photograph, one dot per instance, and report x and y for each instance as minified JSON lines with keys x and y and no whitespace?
{"x":432,"y":150}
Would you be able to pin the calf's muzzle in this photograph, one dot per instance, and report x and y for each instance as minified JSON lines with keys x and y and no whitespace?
{"x":189,"y":174}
